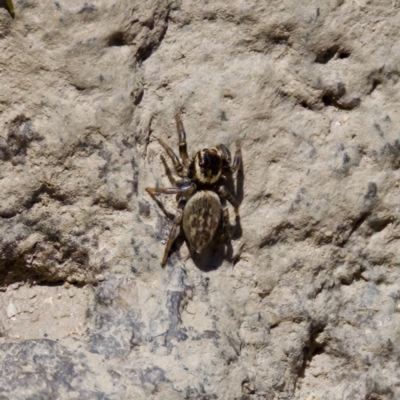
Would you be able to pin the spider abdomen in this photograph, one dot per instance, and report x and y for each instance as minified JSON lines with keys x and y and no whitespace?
{"x":201,"y":218}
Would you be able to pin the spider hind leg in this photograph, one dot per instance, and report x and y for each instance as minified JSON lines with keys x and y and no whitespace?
{"x":172,"y":235}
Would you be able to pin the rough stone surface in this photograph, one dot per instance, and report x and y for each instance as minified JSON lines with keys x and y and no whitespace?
{"x":304,"y":303}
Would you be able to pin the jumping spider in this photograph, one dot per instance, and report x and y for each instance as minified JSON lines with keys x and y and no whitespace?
{"x":200,"y":211}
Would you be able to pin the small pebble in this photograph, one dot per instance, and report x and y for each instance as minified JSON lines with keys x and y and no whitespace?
{"x":11,"y":310}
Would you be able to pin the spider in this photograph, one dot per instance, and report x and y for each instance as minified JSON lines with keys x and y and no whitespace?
{"x":200,"y":210}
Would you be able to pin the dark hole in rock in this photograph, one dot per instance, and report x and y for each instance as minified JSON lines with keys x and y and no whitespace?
{"x":325,"y":56}
{"x":327,"y":100}
{"x":374,"y":85}
{"x":138,"y":99}
{"x":117,"y":39}
{"x":344,"y":54}
{"x":378,"y":225}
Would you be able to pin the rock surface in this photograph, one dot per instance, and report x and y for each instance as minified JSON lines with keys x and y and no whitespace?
{"x":305,"y":304}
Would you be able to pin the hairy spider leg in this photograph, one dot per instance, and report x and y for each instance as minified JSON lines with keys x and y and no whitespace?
{"x":171,"y":174}
{"x":182,"y":141}
{"x":173,"y":233}
{"x":226,"y":235}
{"x":226,"y":155}
{"x":183,"y":190}
{"x":225,"y":193}
{"x":180,"y":169}
{"x":231,"y":166}
{"x":234,"y":166}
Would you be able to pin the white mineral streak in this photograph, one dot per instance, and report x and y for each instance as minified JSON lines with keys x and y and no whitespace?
{"x":11,"y":310}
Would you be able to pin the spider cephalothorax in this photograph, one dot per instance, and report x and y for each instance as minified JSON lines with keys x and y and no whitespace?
{"x":201,"y":197}
{"x":207,"y":166}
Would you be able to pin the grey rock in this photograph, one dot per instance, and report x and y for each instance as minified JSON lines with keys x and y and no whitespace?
{"x":305,"y":301}
{"x":42,"y":369}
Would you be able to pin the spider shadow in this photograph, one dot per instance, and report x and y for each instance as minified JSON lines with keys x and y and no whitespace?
{"x":210,"y":258}
{"x":236,"y":230}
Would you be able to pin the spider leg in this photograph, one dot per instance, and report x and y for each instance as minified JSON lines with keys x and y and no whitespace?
{"x":168,"y":171}
{"x":180,"y":169}
{"x":226,"y":235}
{"x":228,"y":164}
{"x":182,"y":141}
{"x":234,"y":166}
{"x":226,"y":194}
{"x":173,"y":234}
{"x":185,"y":189}
{"x":226,"y":155}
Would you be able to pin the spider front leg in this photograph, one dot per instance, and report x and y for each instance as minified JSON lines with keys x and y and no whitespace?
{"x":231,"y":166}
{"x":180,"y":169}
{"x":234,"y":166}
{"x":182,"y":141}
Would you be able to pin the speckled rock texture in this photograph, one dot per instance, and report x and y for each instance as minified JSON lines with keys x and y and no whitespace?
{"x":303,"y":303}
